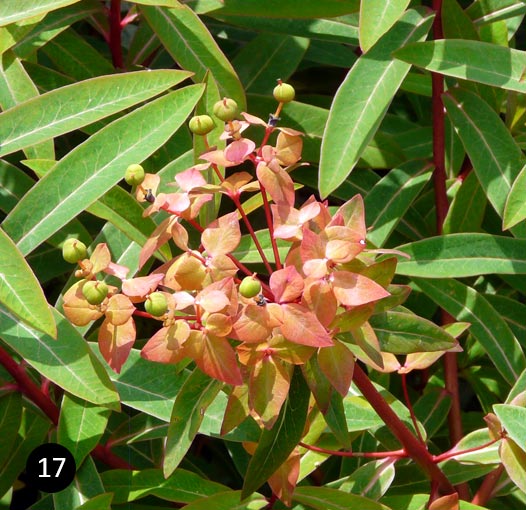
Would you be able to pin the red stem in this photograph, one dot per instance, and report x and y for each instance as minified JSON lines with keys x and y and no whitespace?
{"x":239,"y":206}
{"x":27,"y":387}
{"x":270,"y":224}
{"x":451,"y":453}
{"x":115,"y":34}
{"x":441,"y":207}
{"x":412,"y":446}
{"x":485,"y":492}
{"x":410,"y":407}
{"x":370,"y":455}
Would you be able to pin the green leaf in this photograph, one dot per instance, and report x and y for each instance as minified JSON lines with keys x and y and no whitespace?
{"x":343,"y":29}
{"x":10,"y":12}
{"x":323,"y":498}
{"x":266,"y":58}
{"x":276,"y":444}
{"x":376,"y":18}
{"x":64,"y":51}
{"x":514,"y":460}
{"x":10,"y":414}
{"x":362,"y":100}
{"x":459,"y":255}
{"x":512,"y":311}
{"x":288,"y":8}
{"x":66,"y":361}
{"x":182,"y":486}
{"x":468,"y":60}
{"x":74,"y":106}
{"x":146,"y":386}
{"x":371,"y":480}
{"x":100,"y":502}
{"x":515,"y":208}
{"x":231,"y":500}
{"x":391,"y":197}
{"x":31,"y":433}
{"x":16,"y":87}
{"x":496,"y":158}
{"x":20,"y":291}
{"x":196,"y":394}
{"x":513,"y":419}
{"x":247,"y":252}
{"x":487,"y":326}
{"x":192,"y":46}
{"x":403,"y":333}
{"x":122,"y":209}
{"x":81,"y":425}
{"x":95,"y":166}
{"x":466,"y":211}
{"x":53,"y":24}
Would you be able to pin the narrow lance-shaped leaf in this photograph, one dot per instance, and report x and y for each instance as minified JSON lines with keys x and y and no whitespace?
{"x":389,"y":200}
{"x":487,"y":326}
{"x":376,"y":18}
{"x":515,"y":208}
{"x":402,"y":333}
{"x":513,"y":419}
{"x":89,"y":170}
{"x":20,"y":291}
{"x":363,"y":98}
{"x":460,"y":255}
{"x":277,"y":443}
{"x":197,"y":393}
{"x":192,"y":46}
{"x":66,"y":361}
{"x":324,"y":498}
{"x":496,"y":157}
{"x":11,"y":12}
{"x":468,"y":60}
{"x":74,"y":106}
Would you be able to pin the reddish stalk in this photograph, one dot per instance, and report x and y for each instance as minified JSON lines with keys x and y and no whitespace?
{"x":270,"y":227}
{"x":450,"y":454}
{"x":239,"y":206}
{"x":28,"y":388}
{"x":441,"y":207}
{"x":485,"y":492}
{"x":410,"y":407}
{"x":115,"y":34}
{"x":412,"y":446}
{"x":370,"y":455}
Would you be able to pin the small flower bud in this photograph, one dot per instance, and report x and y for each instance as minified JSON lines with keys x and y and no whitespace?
{"x":74,"y":250}
{"x":283,"y":92}
{"x":95,"y":292}
{"x":134,"y":175}
{"x":201,"y":124}
{"x":226,"y":109}
{"x":156,"y":304}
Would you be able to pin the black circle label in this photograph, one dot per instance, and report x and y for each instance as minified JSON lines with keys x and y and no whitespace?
{"x":50,"y":467}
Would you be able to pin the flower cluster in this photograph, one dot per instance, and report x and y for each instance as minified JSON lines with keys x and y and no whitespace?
{"x":311,"y":308}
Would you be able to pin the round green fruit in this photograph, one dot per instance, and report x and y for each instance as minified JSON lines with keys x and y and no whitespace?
{"x":95,"y":292}
{"x":156,"y":304}
{"x":284,"y":93}
{"x":201,"y":124}
{"x":250,"y":287}
{"x":134,"y":175}
{"x":74,"y":250}
{"x":226,"y":109}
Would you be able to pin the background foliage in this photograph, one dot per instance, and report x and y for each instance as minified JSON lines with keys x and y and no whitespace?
{"x":89,"y":87}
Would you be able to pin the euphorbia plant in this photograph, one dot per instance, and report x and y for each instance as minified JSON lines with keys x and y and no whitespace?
{"x":323,"y":301}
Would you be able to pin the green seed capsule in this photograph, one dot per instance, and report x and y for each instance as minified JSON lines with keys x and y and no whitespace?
{"x":201,"y":124}
{"x":226,"y":109}
{"x":134,"y":175}
{"x":95,"y":292}
{"x":74,"y":250}
{"x":284,"y":93}
{"x":249,"y":287}
{"x":156,"y":304}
